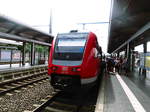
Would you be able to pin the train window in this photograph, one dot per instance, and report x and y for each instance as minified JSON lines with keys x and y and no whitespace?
{"x":71,"y":41}
{"x":96,"y":53}
{"x":99,"y":51}
{"x":69,"y":48}
{"x":70,"y":45}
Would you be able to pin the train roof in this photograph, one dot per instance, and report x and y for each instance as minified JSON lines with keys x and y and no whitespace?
{"x":73,"y":34}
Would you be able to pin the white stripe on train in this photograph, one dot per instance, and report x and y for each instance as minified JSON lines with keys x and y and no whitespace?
{"x":88,"y":80}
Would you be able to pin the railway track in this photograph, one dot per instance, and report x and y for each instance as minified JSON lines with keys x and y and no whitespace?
{"x":64,"y":102}
{"x":11,"y":85}
{"x":81,"y":101}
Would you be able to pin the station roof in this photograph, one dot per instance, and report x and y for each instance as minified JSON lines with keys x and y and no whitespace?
{"x":10,"y":29}
{"x":129,"y":19}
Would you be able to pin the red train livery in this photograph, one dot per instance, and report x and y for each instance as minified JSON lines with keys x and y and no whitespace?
{"x":74,"y":61}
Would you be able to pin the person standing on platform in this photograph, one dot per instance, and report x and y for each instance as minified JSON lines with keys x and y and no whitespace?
{"x":103,"y":65}
{"x":121,"y":64}
{"x":125,"y":65}
{"x":117,"y":65}
{"x":110,"y":65}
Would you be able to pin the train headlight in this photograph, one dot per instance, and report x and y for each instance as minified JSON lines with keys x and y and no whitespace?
{"x":76,"y":69}
{"x":54,"y":68}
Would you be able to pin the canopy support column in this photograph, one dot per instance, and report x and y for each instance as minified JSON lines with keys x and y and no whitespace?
{"x":32,"y":54}
{"x":23,"y":54}
{"x":145,"y":51}
{"x":129,"y":57}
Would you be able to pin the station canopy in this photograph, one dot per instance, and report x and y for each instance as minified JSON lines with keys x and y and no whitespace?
{"x":129,"y":22}
{"x":12,"y":30}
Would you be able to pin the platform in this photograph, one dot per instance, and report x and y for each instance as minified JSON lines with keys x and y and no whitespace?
{"x":16,"y":67}
{"x":124,"y":93}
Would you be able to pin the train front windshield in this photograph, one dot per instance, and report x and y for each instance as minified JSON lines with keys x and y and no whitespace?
{"x":67,"y":48}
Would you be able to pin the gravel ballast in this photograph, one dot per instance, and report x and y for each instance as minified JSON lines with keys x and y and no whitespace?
{"x":26,"y":98}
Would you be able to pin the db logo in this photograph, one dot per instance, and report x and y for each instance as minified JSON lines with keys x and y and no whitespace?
{"x":65,"y":69}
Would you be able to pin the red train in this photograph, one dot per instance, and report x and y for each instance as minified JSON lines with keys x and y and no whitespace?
{"x":74,"y":61}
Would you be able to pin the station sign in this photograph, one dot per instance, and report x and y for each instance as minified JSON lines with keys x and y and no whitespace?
{"x":5,"y":55}
{"x":16,"y":55}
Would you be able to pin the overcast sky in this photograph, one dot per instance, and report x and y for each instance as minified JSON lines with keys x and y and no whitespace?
{"x":66,"y":14}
